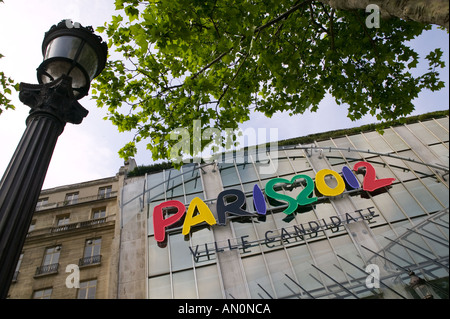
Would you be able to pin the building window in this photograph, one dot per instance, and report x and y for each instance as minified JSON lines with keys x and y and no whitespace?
{"x":91,"y":252}
{"x":50,"y":262}
{"x":41,"y":203}
{"x":62,"y":220}
{"x":104,"y":192}
{"x":71,"y":198}
{"x":43,"y":293}
{"x":99,"y":213}
{"x":87,"y":289}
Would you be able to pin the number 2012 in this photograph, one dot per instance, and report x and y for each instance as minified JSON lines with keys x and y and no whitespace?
{"x":370,"y":183}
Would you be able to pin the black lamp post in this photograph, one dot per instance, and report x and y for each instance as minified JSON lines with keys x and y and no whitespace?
{"x":73,"y":56}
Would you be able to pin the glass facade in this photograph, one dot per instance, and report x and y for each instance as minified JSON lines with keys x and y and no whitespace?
{"x":323,"y":249}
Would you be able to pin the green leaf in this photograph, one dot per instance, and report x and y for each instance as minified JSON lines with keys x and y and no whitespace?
{"x":181,"y":61}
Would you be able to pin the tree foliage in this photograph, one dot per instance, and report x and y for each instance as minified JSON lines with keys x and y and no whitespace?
{"x":6,"y":84}
{"x":184,"y":60}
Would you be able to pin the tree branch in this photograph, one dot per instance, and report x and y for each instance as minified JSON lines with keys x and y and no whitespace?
{"x":210,"y":64}
{"x":282,"y":16}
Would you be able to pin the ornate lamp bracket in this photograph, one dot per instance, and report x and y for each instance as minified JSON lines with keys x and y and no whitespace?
{"x":55,"y":98}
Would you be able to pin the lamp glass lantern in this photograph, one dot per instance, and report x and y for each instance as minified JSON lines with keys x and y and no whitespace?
{"x":420,"y":286}
{"x":73,"y":51}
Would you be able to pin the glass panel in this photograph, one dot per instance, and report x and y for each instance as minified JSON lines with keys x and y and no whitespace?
{"x":180,"y":254}
{"x":279,"y":267}
{"x":394,"y":141}
{"x":246,"y":229}
{"x":184,"y":285}
{"x":159,"y":287}
{"x":88,"y":60}
{"x":324,"y":212}
{"x":155,"y":186}
{"x":436,"y":129}
{"x":440,"y":242}
{"x":344,"y":247}
{"x":257,"y":277}
{"x":327,"y":262}
{"x":405,"y":200}
{"x":104,"y":192}
{"x":92,"y":290}
{"x":174,"y":185}
{"x":419,"y":169}
{"x":87,"y":289}
{"x":438,"y":189}
{"x":360,"y":142}
{"x":247,"y":172}
{"x":326,"y":149}
{"x":300,"y":163}
{"x":344,"y":142}
{"x":209,"y":283}
{"x":99,"y":213}
{"x":200,"y":237}
{"x":377,"y":143}
{"x":71,"y":198}
{"x":422,"y":133}
{"x":64,"y":46}
{"x":228,"y":174}
{"x":51,"y":256}
{"x":284,"y":167}
{"x":43,"y":294}
{"x":364,"y":203}
{"x":444,"y":123}
{"x":158,"y":258}
{"x":307,"y":276}
{"x":63,"y":220}
{"x":192,"y":182}
{"x":441,"y":151}
{"x":268,"y":227}
{"x":423,"y":196}
{"x":387,"y":207}
{"x":399,"y":168}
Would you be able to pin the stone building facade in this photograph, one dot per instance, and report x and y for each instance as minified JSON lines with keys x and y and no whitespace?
{"x":106,"y":228}
{"x":71,"y":250}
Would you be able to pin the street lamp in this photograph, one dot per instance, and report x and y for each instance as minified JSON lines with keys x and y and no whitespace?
{"x":420,"y":286}
{"x":74,"y":51}
{"x":73,"y":56}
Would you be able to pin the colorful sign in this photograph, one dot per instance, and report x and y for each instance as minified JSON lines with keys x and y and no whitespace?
{"x":232,"y":201}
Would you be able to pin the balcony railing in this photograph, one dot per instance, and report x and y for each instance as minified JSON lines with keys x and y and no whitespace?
{"x":86,"y":223}
{"x":76,"y":201}
{"x":67,"y":227}
{"x":91,"y":260}
{"x":47,"y":269}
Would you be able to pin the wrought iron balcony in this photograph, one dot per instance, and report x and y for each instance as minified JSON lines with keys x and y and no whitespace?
{"x":91,"y":260}
{"x":47,"y":270}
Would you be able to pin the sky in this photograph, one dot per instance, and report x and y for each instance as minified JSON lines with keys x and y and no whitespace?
{"x":89,"y":151}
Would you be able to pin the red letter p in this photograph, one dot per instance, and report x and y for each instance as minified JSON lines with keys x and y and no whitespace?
{"x":160,"y":224}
